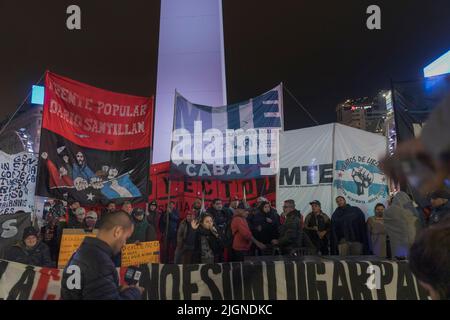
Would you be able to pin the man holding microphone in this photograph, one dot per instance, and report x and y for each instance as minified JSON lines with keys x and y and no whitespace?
{"x":91,"y":273}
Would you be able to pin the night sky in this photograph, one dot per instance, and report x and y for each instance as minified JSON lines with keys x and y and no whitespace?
{"x":321,"y":50}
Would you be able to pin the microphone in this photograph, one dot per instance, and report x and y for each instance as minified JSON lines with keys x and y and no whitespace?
{"x":132,"y":276}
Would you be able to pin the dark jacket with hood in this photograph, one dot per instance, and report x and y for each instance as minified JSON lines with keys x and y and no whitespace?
{"x":38,"y":256}
{"x":348,"y":223}
{"x":143,"y":231}
{"x":269,"y":231}
{"x":99,"y":276}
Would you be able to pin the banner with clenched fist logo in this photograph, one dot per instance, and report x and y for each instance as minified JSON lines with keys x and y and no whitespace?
{"x":329,"y":161}
{"x":95,"y":144}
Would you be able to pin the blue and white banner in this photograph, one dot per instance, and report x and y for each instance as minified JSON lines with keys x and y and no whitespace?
{"x":230,"y":142}
{"x":323,"y":162}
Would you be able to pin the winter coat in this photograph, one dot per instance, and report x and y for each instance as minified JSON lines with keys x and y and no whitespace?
{"x":142,"y":232}
{"x":269,"y":231}
{"x":242,"y":236}
{"x":207,"y":248}
{"x":348,"y":224}
{"x":401,"y":223}
{"x":38,"y":256}
{"x":292,"y":235}
{"x":173,"y":224}
{"x":222,"y":219}
{"x":99,"y":276}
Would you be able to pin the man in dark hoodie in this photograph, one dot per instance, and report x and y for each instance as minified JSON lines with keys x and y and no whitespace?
{"x":143,"y":231}
{"x":30,"y":250}
{"x":153,"y":215}
{"x":348,"y":230}
{"x":90,"y":273}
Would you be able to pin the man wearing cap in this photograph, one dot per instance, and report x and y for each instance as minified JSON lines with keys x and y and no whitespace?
{"x":317,"y":226}
{"x":440,"y":205}
{"x":143,"y":231}
{"x":30,"y":250}
{"x":90,"y":221}
{"x":153,"y":215}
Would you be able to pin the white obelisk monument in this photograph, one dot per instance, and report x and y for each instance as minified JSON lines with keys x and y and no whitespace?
{"x":191,"y":60}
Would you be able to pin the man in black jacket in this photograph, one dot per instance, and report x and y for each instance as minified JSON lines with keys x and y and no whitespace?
{"x":30,"y":250}
{"x":91,"y":273}
{"x":348,"y":230}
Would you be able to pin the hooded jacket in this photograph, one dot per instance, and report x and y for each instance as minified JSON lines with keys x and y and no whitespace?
{"x":269,"y":231}
{"x":143,"y":231}
{"x":401,"y":223}
{"x":38,"y":256}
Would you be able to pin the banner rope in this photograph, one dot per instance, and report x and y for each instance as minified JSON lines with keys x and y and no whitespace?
{"x":300,"y":105}
{"x":20,"y":106}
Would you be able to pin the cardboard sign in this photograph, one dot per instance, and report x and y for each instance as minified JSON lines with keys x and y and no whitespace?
{"x":142,"y":253}
{"x":70,"y":241}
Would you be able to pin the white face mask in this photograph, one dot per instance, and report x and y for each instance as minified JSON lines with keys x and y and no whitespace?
{"x":91,"y":222}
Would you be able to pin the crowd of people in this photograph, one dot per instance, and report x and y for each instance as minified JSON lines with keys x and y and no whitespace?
{"x":234,"y":231}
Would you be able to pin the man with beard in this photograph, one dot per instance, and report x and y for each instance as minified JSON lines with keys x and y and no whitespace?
{"x":348,"y":230}
{"x":82,"y":174}
{"x":90,"y":273}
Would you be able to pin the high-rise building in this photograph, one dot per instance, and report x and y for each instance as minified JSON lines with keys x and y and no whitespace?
{"x":364,"y":113}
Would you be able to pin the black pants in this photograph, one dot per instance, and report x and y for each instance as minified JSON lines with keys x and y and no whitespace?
{"x":320,"y":244}
{"x":239,"y":255}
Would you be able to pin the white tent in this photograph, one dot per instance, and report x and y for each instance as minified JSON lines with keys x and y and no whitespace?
{"x":323,"y":162}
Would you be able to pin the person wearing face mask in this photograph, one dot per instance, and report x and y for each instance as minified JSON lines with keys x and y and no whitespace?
{"x":90,"y":221}
{"x":91,"y":273}
{"x":30,"y":250}
{"x":143,"y":231}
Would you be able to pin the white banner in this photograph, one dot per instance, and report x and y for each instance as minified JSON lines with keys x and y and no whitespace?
{"x":17,"y":182}
{"x":323,"y":162}
{"x":306,"y":169}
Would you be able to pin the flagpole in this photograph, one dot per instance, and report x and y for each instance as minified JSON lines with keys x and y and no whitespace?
{"x":166,"y":240}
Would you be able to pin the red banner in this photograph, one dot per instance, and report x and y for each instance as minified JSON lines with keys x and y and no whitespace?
{"x":95,"y":144}
{"x":185,"y":192}
{"x":96,"y":118}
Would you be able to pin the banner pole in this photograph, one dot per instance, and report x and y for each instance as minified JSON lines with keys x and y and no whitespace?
{"x":333,"y":160}
{"x":166,"y":240}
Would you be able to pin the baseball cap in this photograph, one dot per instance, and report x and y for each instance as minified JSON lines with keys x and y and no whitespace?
{"x":315,"y":202}
{"x":91,"y":214}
